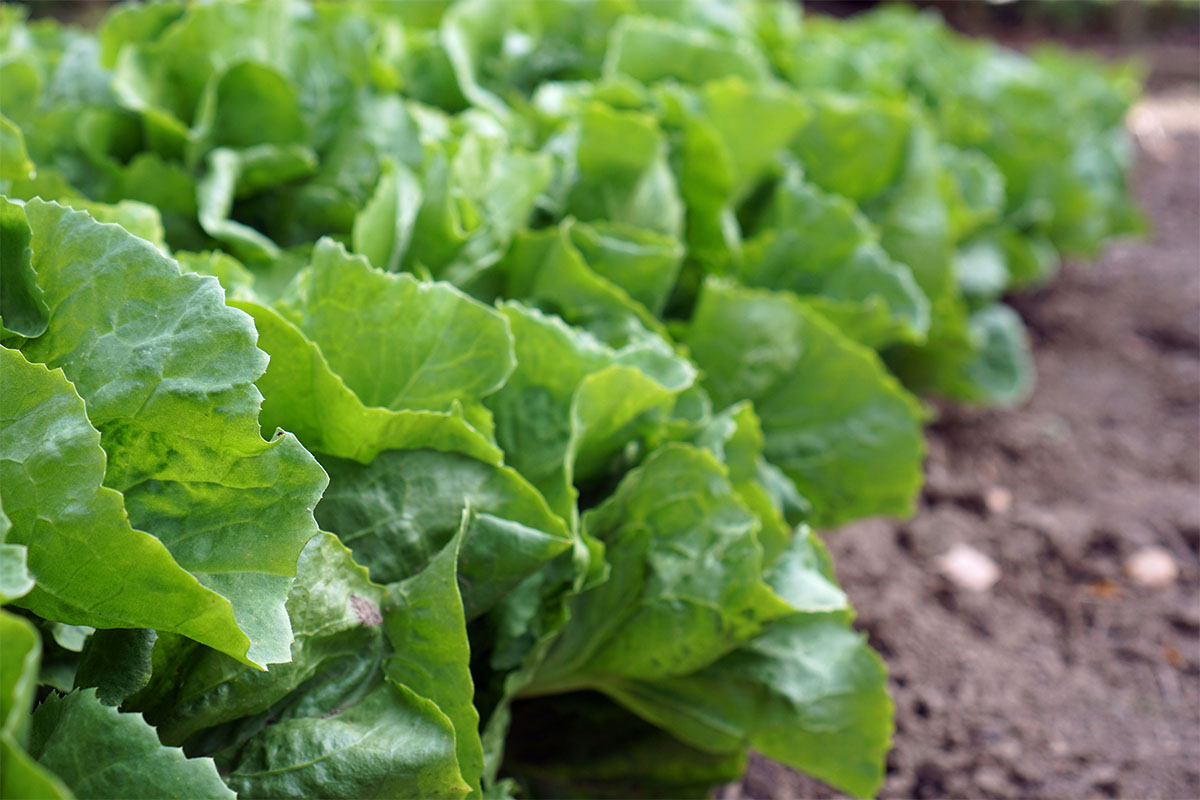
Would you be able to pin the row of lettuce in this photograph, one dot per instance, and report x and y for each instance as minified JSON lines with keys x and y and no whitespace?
{"x":541,"y":333}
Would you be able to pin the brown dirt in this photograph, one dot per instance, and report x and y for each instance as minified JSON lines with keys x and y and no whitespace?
{"x":1066,"y":679}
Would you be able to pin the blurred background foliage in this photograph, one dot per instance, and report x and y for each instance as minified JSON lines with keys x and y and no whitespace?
{"x":1128,"y":20}
{"x":1124,"y":19}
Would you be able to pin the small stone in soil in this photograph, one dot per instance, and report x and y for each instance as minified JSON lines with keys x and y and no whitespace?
{"x":998,"y":499}
{"x":992,"y":779}
{"x":968,"y":568}
{"x":1152,"y":566}
{"x":1008,"y":750}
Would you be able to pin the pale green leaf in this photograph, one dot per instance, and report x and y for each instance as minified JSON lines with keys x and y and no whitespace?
{"x":140,"y":219}
{"x":167,"y":371}
{"x":15,"y":578}
{"x":52,"y":466}
{"x":981,"y":268}
{"x":808,"y":693}
{"x":651,"y":50}
{"x":302,"y":394}
{"x":854,"y":146}
{"x":397,"y":342}
{"x":623,"y":172}
{"x":643,"y":263}
{"x":544,"y":268}
{"x":1002,"y":372}
{"x":14,"y":160}
{"x":20,"y":776}
{"x":19,"y":661}
{"x":384,"y":226}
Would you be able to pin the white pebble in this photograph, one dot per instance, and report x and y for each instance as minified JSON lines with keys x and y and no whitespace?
{"x":1152,"y":566}
{"x":998,"y":499}
{"x":968,"y":568}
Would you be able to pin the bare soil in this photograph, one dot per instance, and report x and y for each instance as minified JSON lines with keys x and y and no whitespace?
{"x":1066,"y":679}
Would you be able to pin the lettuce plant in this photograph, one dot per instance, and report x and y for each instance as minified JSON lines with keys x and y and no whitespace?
{"x":437,"y":399}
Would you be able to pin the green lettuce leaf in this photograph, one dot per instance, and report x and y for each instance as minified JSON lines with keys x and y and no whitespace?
{"x":232,"y":509}
{"x":334,"y":610}
{"x":623,"y":172}
{"x":874,"y":300}
{"x":820,"y":245}
{"x":171,"y":189}
{"x":652,"y":50}
{"x":980,"y":357}
{"x":267,"y":73}
{"x":383,"y":229}
{"x":52,"y":464}
{"x":304,"y":389}
{"x":833,"y":419}
{"x":974,"y":189}
{"x":117,"y":662}
{"x":15,"y":579}
{"x":572,"y":403}
{"x":546,"y":269}
{"x":14,"y":161}
{"x":248,"y":104}
{"x":1031,"y":260}
{"x":99,"y":752}
{"x":754,"y":123}
{"x":854,"y":146}
{"x":807,"y":692}
{"x":424,"y":622}
{"x":733,"y":134}
{"x":913,"y":219}
{"x":234,"y":173}
{"x":23,"y":310}
{"x":1003,"y":370}
{"x":19,"y":662}
{"x":981,"y":268}
{"x":20,"y":775}
{"x":643,"y":263}
{"x":396,"y":342}
{"x":398,"y":511}
{"x":802,"y":237}
{"x":735,"y":437}
{"x":684,"y":584}
{"x":480,"y":190}
{"x":303,"y":394}
{"x":140,"y":219}
{"x":392,"y":743}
